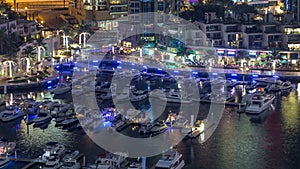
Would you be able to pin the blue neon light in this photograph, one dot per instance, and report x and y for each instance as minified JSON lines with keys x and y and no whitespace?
{"x":176,"y":71}
{"x":50,"y":81}
{"x":233,"y":74}
{"x":254,"y":75}
{"x":95,"y":61}
{"x":159,"y":69}
{"x":234,"y":80}
{"x":195,"y":73}
{"x":145,"y":67}
{"x":119,"y":62}
{"x":49,"y":87}
{"x":275,"y":76}
{"x":215,"y":74}
{"x":119,"y":67}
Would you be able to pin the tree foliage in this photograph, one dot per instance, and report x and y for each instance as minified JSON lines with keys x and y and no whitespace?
{"x":243,"y":8}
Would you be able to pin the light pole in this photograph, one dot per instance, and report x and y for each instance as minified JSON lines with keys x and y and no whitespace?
{"x":84,"y":34}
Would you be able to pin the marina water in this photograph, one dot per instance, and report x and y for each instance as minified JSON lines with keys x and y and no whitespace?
{"x":240,"y":141}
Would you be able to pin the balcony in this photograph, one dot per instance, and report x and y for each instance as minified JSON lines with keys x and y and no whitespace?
{"x":233,"y":30}
{"x":272,"y":32}
{"x":255,"y":39}
{"x":252,"y":31}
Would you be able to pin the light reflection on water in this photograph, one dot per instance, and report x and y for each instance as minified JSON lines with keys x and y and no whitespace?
{"x":237,"y":142}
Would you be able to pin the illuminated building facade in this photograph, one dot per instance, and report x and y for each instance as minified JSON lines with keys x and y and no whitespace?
{"x":21,"y":5}
{"x":98,"y":12}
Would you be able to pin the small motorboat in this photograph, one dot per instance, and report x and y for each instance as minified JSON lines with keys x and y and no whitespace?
{"x":53,"y":162}
{"x":61,"y":89}
{"x":12,"y":116}
{"x":41,"y":119}
{"x":135,"y":165}
{"x":70,"y":155}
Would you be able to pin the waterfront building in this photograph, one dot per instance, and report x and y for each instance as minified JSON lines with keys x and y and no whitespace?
{"x":99,"y":13}
{"x":24,"y":28}
{"x":34,"y":5}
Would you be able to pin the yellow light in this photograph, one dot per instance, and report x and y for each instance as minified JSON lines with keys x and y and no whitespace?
{"x":25,"y":8}
{"x":42,"y":22}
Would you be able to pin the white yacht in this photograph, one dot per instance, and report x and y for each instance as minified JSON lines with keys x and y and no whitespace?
{"x":70,"y":164}
{"x":259,"y":102}
{"x":170,"y":160}
{"x":52,"y":163}
{"x":286,"y":85}
{"x":176,"y":97}
{"x":111,"y":161}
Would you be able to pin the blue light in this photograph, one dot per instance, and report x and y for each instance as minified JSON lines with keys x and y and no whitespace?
{"x":159,"y":69}
{"x":215,"y":74}
{"x":133,"y":69}
{"x":49,"y":87}
{"x":75,"y":62}
{"x":95,"y":61}
{"x":144,"y":72}
{"x":75,"y":67}
{"x":145,"y":67}
{"x":119,"y":62}
{"x":132,"y":64}
{"x":119,"y":67}
{"x":50,"y":81}
{"x":176,"y":71}
{"x":57,"y":66}
{"x":253,"y":81}
{"x":234,"y":80}
{"x":275,"y":76}
{"x":57,"y":77}
{"x":254,"y":75}
{"x":233,"y":74}
{"x":195,"y":73}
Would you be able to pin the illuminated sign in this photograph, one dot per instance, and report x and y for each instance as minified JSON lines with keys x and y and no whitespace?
{"x":220,"y":51}
{"x":231,"y":53}
{"x":252,"y":53}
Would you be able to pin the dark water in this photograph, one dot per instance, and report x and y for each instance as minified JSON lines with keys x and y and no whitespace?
{"x":271,"y":142}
